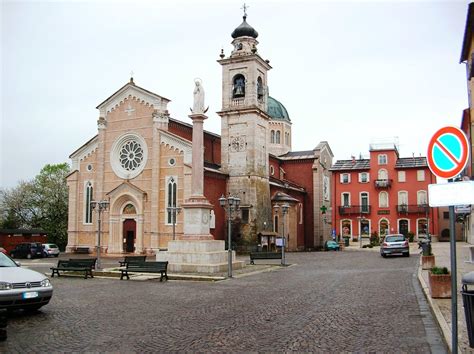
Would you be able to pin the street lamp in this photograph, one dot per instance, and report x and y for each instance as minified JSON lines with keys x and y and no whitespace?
{"x":229,"y":204}
{"x":284,"y":208}
{"x":101,"y":206}
{"x":174,"y":210}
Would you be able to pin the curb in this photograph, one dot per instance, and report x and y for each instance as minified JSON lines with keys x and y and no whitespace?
{"x":445,"y":328}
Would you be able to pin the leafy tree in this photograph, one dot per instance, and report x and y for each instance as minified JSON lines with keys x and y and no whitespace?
{"x":40,"y":203}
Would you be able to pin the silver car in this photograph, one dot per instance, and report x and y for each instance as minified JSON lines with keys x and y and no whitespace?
{"x":50,"y":249}
{"x":395,"y":244}
{"x":22,"y":288}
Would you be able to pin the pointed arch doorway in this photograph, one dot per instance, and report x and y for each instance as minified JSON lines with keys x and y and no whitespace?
{"x":129,"y":235}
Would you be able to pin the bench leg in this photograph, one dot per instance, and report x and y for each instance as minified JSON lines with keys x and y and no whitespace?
{"x":252,"y":262}
{"x":124,"y":273}
{"x":91,"y":274}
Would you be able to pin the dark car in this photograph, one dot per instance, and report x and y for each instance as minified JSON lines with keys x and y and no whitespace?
{"x":395,"y":244}
{"x":27,"y":250}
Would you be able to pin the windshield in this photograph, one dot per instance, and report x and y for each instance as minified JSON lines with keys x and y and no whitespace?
{"x":6,"y":261}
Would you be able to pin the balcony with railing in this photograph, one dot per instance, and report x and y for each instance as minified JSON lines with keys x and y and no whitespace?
{"x":413,"y":209}
{"x":354,"y":210}
{"x":383,"y":183}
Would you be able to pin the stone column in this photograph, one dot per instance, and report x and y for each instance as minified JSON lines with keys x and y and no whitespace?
{"x":197,"y":208}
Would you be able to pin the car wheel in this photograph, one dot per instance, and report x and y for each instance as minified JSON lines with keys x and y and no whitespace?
{"x":28,"y":256}
{"x":407,"y":254}
{"x":383,"y":255}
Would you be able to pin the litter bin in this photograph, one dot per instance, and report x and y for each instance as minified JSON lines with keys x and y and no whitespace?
{"x":346,"y":241}
{"x":426,"y":248}
{"x":468,"y":303}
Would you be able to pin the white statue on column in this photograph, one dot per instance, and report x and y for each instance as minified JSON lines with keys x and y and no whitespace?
{"x":198,"y":105}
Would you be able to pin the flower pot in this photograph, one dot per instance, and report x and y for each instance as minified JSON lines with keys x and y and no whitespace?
{"x":440,"y":285}
{"x":427,"y":262}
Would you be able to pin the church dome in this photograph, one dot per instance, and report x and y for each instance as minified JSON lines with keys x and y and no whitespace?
{"x":244,"y":30}
{"x":276,"y":110}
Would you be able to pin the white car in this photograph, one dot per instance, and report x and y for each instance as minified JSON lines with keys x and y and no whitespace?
{"x":50,"y":249}
{"x":22,"y":288}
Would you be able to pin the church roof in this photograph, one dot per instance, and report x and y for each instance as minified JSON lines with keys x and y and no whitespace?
{"x":130,"y":89}
{"x":276,"y":110}
{"x":244,"y":30}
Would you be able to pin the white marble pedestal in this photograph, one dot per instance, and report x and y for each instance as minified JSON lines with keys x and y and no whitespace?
{"x":193,"y":256}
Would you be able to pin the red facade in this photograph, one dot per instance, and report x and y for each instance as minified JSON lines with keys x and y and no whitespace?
{"x":9,"y":238}
{"x":383,"y":194}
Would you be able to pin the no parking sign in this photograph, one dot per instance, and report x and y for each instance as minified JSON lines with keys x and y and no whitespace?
{"x":448,"y":152}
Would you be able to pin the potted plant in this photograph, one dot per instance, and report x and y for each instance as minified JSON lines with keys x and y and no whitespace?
{"x":411,"y":236}
{"x":440,"y":283}
{"x":427,"y":257}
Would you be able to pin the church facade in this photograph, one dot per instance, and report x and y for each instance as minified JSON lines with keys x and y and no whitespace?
{"x":140,"y":162}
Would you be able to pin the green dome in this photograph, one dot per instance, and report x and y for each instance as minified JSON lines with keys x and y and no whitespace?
{"x":276,"y":110}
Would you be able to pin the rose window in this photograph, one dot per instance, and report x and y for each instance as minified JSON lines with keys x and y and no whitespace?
{"x":131,"y":155}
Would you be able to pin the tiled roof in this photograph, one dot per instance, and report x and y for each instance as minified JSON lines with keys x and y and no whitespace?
{"x":345,"y":165}
{"x":411,"y":162}
{"x":295,"y":155}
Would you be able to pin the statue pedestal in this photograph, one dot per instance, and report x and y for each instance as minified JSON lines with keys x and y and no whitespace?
{"x":193,"y":256}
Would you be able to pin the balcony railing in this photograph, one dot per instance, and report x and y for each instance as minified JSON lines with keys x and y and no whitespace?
{"x":413,"y":209}
{"x":354,"y":210}
{"x":383,"y":183}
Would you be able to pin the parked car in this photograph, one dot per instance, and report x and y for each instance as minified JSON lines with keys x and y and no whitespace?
{"x":50,"y":249}
{"x":331,"y":246}
{"x":395,"y":244}
{"x":22,"y":288}
{"x":27,"y":250}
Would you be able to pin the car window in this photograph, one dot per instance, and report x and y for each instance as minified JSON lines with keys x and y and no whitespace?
{"x":395,"y":238}
{"x":53,"y":246}
{"x":6,"y":262}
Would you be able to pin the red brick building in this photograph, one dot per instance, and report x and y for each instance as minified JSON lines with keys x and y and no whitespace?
{"x":9,"y":238}
{"x":383,"y":194}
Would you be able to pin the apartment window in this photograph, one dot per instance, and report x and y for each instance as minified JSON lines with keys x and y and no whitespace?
{"x":420,"y":175}
{"x":402,"y":176}
{"x":402,"y":198}
{"x":382,"y":159}
{"x":363,"y":177}
{"x":382,"y":174}
{"x":383,"y":200}
{"x":346,"y":199}
{"x":421,"y":198}
{"x":364,"y":202}
{"x":345,"y":178}
{"x":446,"y":215}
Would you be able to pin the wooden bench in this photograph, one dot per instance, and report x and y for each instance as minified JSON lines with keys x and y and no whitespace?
{"x":132,"y":259}
{"x":146,"y":267}
{"x":264,"y":255}
{"x":81,"y":250}
{"x":75,"y":265}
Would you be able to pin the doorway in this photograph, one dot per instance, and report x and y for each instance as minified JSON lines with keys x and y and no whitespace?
{"x":129,"y":235}
{"x":403,"y":227}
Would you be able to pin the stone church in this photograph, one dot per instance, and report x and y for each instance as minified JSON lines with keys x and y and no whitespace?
{"x":140,"y":162}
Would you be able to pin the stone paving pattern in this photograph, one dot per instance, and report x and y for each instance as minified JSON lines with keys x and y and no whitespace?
{"x":332,"y":301}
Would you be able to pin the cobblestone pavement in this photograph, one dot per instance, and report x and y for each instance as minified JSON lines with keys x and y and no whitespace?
{"x":334,"y":301}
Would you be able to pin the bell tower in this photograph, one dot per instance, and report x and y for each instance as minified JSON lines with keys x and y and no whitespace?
{"x":244,"y":128}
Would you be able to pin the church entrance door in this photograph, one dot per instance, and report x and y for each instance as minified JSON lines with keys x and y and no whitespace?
{"x":129,"y":235}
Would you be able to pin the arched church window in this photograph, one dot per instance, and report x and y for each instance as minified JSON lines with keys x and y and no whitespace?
{"x":277,"y":137}
{"x":238,"y":88}
{"x":129,"y":209}
{"x":259,"y":88}
{"x":87,"y":206}
{"x":171,"y":198}
{"x":272,"y":137}
{"x":275,"y":223}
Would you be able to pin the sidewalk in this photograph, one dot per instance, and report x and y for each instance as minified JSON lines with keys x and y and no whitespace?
{"x":442,"y":307}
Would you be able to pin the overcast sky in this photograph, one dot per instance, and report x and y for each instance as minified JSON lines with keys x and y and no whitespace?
{"x":348,"y":72}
